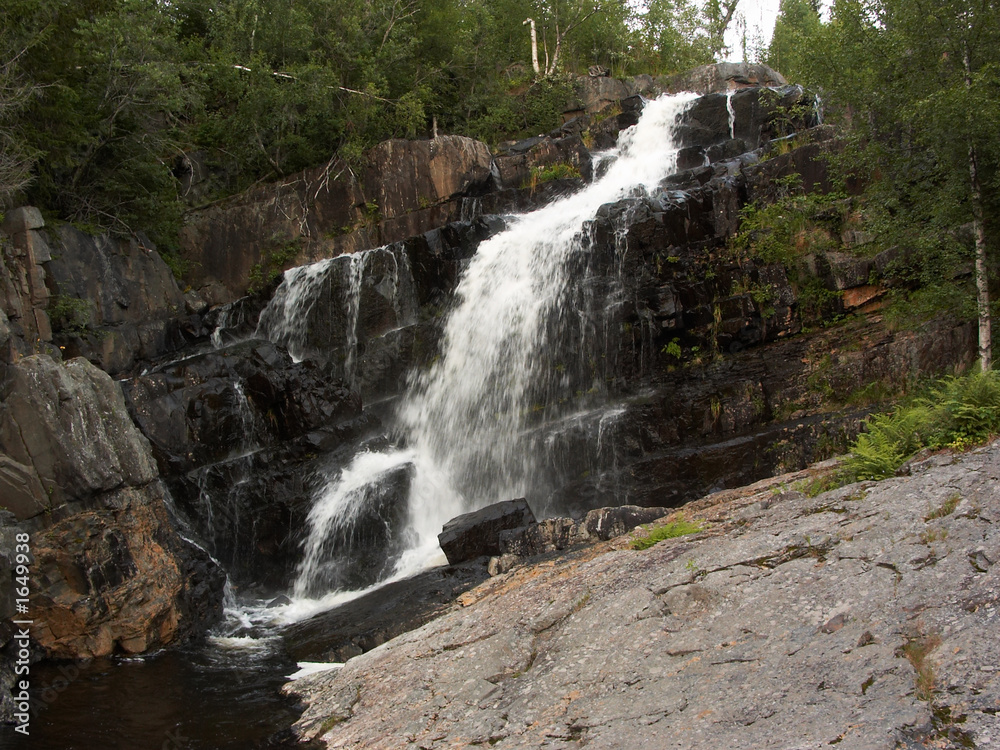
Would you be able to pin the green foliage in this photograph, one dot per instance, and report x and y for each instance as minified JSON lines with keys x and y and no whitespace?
{"x":274,"y":262}
{"x":916,"y":88}
{"x":911,"y":309}
{"x":958,"y":413}
{"x":558,"y":171}
{"x":670,"y":530}
{"x":673,"y":349}
{"x":671,"y":36}
{"x":100,"y":100}
{"x":518,"y":107}
{"x":796,"y":30}
{"x":794,"y":225}
{"x":178,"y":266}
{"x":946,"y":508}
{"x":70,"y":315}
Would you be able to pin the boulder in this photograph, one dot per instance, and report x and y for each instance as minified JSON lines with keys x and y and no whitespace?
{"x":607,"y":523}
{"x":722,"y":77}
{"x":594,"y":94}
{"x":477,"y":534}
{"x":545,"y":536}
{"x":557,"y":534}
{"x":110,"y":573}
{"x":65,"y":432}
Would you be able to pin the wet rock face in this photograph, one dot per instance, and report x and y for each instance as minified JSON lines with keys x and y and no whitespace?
{"x":793,"y":622}
{"x":115,"y":577}
{"x":371,"y":317}
{"x":110,"y":571}
{"x":364,"y":549}
{"x":67,"y":436}
{"x":710,"y":133}
{"x":375,"y":618}
{"x":236,"y":433}
{"x":716,"y":386}
{"x":204,"y":408}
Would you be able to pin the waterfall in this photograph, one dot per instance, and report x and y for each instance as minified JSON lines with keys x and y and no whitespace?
{"x":514,"y":353}
{"x":332,"y":309}
{"x":732,"y":114}
{"x":283,"y":320}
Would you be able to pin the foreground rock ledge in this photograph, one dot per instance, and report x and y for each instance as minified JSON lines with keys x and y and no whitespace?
{"x":847,"y":619}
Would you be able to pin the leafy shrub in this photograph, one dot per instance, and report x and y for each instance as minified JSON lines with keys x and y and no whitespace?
{"x":558,"y":171}
{"x":958,"y":413}
{"x":69,"y":314}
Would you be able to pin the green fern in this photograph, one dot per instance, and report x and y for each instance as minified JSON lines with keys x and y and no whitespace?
{"x":959,"y":413}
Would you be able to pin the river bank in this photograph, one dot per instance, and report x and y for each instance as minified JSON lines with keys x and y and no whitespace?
{"x":866,"y":616}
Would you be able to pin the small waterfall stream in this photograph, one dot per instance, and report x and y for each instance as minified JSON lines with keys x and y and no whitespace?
{"x":732,"y":113}
{"x":514,"y":353}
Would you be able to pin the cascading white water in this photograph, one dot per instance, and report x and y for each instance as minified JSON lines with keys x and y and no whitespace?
{"x":355,"y":277}
{"x":281,"y":321}
{"x":464,"y":420}
{"x":732,"y":114}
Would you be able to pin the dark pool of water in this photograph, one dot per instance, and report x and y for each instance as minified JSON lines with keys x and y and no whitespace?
{"x":211,"y":697}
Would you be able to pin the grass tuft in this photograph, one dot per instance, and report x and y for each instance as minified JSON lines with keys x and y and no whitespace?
{"x":657,"y":534}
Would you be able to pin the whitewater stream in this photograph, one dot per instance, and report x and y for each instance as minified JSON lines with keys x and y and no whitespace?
{"x":464,"y":424}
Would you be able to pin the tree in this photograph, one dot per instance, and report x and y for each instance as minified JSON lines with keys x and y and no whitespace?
{"x":796,"y":32}
{"x":925,"y":77}
{"x":673,"y":36}
{"x":16,"y":157}
{"x":556,"y":21}
{"x":719,"y":14}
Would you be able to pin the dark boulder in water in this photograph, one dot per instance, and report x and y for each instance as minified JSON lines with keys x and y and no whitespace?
{"x":476,"y":534}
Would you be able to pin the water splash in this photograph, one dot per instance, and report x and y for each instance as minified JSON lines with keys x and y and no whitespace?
{"x":466,"y":422}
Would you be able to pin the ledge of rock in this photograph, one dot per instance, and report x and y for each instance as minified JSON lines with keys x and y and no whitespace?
{"x":791,"y":622}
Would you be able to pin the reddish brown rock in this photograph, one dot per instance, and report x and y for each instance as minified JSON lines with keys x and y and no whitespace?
{"x":405,"y":188}
{"x":109,"y":570}
{"x":110,"y":578}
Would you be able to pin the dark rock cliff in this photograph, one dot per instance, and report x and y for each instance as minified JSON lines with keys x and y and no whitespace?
{"x":720,"y":368}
